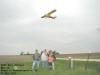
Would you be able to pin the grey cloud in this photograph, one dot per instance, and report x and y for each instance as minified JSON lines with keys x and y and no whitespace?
{"x":19,"y":28}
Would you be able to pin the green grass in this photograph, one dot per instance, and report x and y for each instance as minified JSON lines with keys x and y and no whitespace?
{"x":62,"y":68}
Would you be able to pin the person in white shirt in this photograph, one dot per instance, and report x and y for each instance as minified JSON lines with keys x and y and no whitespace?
{"x":44,"y":59}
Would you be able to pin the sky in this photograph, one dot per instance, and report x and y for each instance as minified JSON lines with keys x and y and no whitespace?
{"x":75,"y":30}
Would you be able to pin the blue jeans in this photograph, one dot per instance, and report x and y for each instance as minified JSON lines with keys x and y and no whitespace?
{"x":44,"y":63}
{"x":36,"y":62}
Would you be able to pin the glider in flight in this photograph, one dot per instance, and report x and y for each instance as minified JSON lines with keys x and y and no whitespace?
{"x":48,"y":15}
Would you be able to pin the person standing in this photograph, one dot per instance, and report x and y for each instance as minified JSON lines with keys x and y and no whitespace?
{"x":44,"y":59}
{"x":54,"y":59}
{"x":36,"y":59}
{"x":51,"y":55}
{"x":50,"y":61}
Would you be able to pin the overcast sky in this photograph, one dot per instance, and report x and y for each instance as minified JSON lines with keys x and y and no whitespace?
{"x":73,"y":31}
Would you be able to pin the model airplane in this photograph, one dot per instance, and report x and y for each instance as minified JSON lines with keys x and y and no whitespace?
{"x":48,"y":15}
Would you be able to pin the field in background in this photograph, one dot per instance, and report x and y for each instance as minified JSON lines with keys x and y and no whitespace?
{"x":80,"y":56}
{"x":62,"y":68}
{"x":28,"y":58}
{"x":15,"y":58}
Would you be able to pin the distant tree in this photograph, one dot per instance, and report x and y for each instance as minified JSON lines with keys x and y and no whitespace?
{"x":22,"y":53}
{"x":27,"y":53}
{"x":56,"y":53}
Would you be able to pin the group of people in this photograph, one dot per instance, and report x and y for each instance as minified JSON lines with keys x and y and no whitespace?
{"x":47,"y":59}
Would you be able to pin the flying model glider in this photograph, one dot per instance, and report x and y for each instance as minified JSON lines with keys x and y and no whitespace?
{"x":48,"y":15}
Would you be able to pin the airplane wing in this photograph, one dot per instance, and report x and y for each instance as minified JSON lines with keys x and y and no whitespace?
{"x":51,"y":12}
{"x":43,"y":16}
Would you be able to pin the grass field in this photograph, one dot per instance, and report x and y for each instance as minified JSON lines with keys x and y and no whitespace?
{"x":61,"y":68}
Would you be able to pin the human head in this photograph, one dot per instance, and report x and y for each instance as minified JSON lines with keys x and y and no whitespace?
{"x":36,"y":51}
{"x":45,"y":50}
{"x":50,"y":52}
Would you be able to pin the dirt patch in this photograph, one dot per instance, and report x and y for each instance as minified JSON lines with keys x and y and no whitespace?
{"x":15,"y":59}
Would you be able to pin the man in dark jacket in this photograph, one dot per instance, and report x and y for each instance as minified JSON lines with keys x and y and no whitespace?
{"x":36,"y":59}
